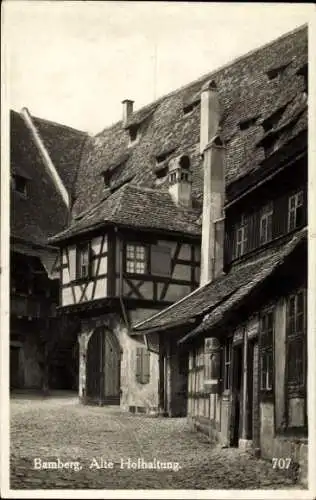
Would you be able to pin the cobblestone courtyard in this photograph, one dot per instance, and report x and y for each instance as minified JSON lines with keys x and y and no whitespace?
{"x":59,"y":427}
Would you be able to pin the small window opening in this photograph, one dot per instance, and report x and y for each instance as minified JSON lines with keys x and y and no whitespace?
{"x":133,"y":132}
{"x":273,"y":119}
{"x":188,"y":108}
{"x":19,"y":184}
{"x":185,"y":162}
{"x":245,"y":124}
{"x":275,"y":72}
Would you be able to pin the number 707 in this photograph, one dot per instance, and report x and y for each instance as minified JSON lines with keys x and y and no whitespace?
{"x":281,"y":463}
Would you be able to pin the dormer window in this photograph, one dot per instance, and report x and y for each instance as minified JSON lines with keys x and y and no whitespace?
{"x":271,"y":121}
{"x":19,"y":184}
{"x":275,"y":72}
{"x":106,"y":175}
{"x":189,"y":108}
{"x":133,"y":134}
{"x":247,"y":123}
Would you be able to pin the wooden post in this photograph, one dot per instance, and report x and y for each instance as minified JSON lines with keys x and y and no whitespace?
{"x":244,"y":429}
{"x":168,"y":378}
{"x":162,"y":408}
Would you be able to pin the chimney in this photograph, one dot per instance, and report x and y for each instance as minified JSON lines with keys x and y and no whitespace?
{"x":127,"y":109}
{"x":213,"y":153}
{"x":180,"y":181}
{"x":210,"y":114}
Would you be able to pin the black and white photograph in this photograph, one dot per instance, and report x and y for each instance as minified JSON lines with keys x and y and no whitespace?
{"x":157,"y":250}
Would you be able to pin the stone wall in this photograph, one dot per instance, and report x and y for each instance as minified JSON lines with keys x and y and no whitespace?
{"x":142,"y":397}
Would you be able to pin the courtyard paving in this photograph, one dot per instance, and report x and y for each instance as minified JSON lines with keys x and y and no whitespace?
{"x":122,"y":445}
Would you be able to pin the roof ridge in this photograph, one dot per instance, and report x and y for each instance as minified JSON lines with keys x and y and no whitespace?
{"x":212,"y":73}
{"x":57,"y":124}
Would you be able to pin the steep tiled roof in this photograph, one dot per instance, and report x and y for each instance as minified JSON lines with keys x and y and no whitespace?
{"x":222,"y":292}
{"x":42,"y":212}
{"x":65,"y":146}
{"x":247,"y":89}
{"x":264,"y":271}
{"x":139,"y":207}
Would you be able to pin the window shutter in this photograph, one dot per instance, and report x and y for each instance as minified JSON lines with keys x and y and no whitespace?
{"x":160,"y":260}
{"x":146,"y":366}
{"x":139,"y":364}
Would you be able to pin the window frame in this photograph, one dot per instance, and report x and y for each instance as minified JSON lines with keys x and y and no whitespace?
{"x":227,"y":364}
{"x":298,"y":198}
{"x":292,"y":337}
{"x":242,"y":227}
{"x":266,"y":352}
{"x":80,"y":248}
{"x":266,"y":214}
{"x":135,"y":260}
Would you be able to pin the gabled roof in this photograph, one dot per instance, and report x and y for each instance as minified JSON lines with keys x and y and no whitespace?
{"x":139,"y":207}
{"x":42,"y":212}
{"x":245,"y":91}
{"x":221,"y":293}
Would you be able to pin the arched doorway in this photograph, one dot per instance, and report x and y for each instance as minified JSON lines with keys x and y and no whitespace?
{"x":103,"y":368}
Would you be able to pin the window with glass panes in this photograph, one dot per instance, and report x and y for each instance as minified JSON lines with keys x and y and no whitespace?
{"x":296,"y":339}
{"x":83,"y":261}
{"x":241,"y":237}
{"x":266,"y":224}
{"x":266,"y":351}
{"x":295,"y":211}
{"x":136,"y":258}
{"x":227,"y":364}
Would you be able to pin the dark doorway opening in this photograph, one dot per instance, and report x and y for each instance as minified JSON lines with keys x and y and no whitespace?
{"x":236,"y":395}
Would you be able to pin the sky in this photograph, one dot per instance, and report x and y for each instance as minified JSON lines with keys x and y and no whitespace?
{"x":74,"y":62}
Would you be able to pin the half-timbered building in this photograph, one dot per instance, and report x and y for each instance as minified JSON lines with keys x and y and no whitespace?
{"x":43,"y":162}
{"x":238,"y":343}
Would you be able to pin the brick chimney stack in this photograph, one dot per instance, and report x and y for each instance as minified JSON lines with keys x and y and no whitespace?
{"x":127,"y":110}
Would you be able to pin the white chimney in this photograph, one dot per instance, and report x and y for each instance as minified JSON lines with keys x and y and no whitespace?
{"x":180,"y":181}
{"x":210,"y":113}
{"x":127,"y":109}
{"x":212,"y":249}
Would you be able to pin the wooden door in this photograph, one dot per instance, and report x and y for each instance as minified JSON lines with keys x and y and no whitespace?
{"x":103,"y":368}
{"x":94,"y":368}
{"x":111,"y":368}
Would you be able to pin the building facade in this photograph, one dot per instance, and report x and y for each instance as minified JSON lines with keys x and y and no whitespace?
{"x":238,"y":343}
{"x":42,"y":347}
